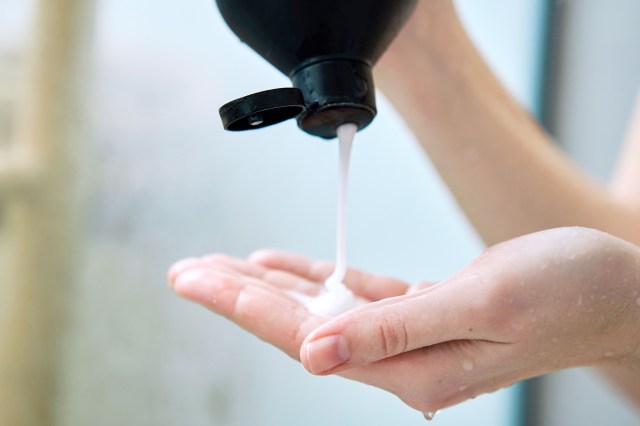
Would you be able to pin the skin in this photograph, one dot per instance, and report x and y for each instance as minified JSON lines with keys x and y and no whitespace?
{"x":546,"y":301}
{"x":549,"y":300}
{"x":466,"y":121}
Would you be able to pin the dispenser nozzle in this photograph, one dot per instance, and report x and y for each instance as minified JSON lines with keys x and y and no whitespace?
{"x":336,"y":91}
{"x":326,"y":94}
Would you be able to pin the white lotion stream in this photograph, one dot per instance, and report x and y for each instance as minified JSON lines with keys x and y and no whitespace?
{"x":336,"y":298}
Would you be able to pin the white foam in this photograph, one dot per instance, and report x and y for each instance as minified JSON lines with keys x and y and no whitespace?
{"x":335,"y":301}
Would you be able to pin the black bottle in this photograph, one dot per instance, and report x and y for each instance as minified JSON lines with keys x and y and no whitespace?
{"x":326,"y":47}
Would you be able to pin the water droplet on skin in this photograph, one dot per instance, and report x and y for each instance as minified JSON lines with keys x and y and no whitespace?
{"x":430,"y":415}
{"x":609,"y":354}
{"x":580,"y":300}
{"x":544,"y":267}
{"x":463,"y":388}
{"x":467,"y":365}
{"x":572,"y":256}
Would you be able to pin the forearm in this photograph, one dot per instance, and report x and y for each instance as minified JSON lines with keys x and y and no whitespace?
{"x":501,"y":167}
{"x":626,"y":179}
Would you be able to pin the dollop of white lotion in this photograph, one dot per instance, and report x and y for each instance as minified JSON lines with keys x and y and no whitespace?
{"x":336,"y":298}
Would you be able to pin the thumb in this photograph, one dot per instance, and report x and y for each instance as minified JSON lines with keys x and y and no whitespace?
{"x":393,"y":326}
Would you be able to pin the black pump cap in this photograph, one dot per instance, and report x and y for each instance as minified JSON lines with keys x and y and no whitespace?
{"x":262,"y":109}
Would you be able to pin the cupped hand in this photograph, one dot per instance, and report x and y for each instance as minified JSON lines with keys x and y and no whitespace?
{"x":550,"y":300}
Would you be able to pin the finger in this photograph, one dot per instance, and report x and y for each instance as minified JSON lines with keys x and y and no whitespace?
{"x":291,"y":282}
{"x":312,"y":270}
{"x":390,"y":327}
{"x":276,"y":277}
{"x":443,"y":375}
{"x":258,"y":308}
{"x":367,"y":285}
{"x":179,"y":267}
{"x":241,"y":266}
{"x":219,"y":262}
{"x":419,"y":286}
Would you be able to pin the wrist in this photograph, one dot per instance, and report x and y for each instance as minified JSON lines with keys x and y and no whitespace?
{"x":432,"y":65}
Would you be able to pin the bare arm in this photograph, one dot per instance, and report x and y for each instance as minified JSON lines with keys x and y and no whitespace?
{"x":626,"y":181}
{"x":502,"y":168}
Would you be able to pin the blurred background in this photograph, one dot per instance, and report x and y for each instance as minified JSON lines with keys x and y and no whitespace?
{"x":113,"y":164}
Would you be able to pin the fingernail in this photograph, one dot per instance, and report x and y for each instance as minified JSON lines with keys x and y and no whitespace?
{"x":326,"y":353}
{"x":188,"y":278}
{"x":178,"y":267}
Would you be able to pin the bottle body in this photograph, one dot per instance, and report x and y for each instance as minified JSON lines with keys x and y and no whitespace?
{"x":326,"y":47}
